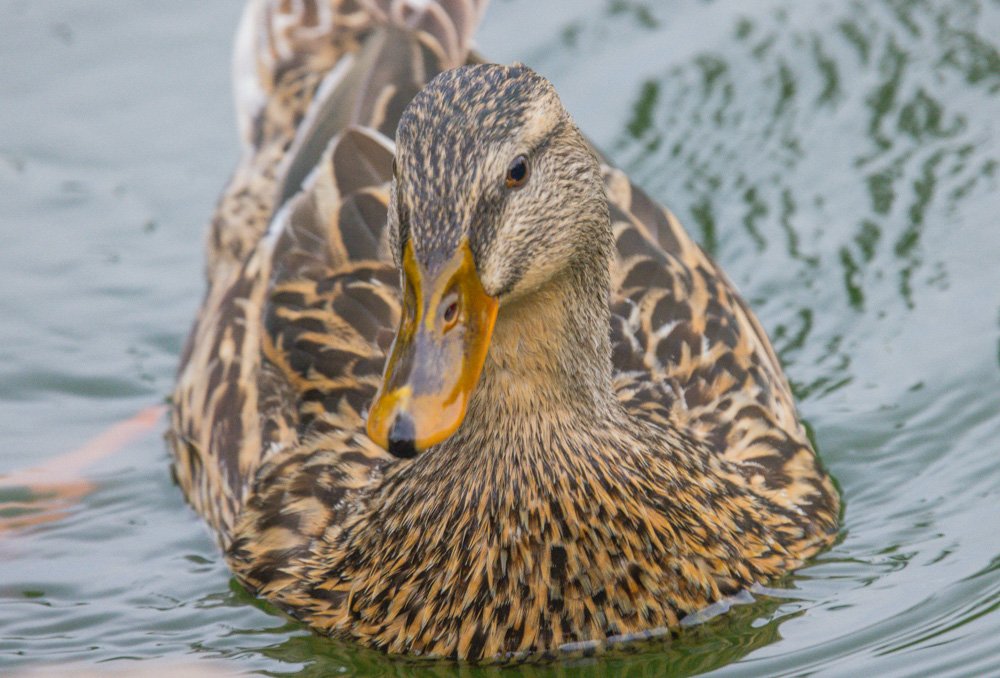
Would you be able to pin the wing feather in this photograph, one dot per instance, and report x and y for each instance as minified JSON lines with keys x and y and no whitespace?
{"x":690,"y":355}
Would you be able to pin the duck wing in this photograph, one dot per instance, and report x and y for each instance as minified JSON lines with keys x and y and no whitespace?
{"x":690,"y":355}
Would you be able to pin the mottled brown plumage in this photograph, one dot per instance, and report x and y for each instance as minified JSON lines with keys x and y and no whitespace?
{"x":631,"y":452}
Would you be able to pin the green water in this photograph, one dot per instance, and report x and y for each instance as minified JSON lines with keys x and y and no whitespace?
{"x":841,"y":160}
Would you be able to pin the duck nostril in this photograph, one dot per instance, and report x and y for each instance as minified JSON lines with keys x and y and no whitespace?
{"x":402,"y":437}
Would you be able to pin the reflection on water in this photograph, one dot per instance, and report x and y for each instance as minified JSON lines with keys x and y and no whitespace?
{"x":919,"y":84}
{"x":701,"y":648}
{"x":839,"y":159}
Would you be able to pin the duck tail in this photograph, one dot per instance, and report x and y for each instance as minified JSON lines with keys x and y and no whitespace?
{"x":411,"y":42}
{"x":285,"y":50}
{"x":278,"y":41}
{"x":446,"y":27}
{"x":276,"y":37}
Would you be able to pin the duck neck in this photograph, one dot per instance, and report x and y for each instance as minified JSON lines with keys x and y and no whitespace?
{"x":550,"y":356}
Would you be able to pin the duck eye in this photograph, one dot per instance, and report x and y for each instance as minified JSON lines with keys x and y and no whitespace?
{"x":517,"y":173}
{"x":450,"y":313}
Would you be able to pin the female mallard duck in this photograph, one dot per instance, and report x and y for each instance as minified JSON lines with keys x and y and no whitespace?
{"x":580,"y":432}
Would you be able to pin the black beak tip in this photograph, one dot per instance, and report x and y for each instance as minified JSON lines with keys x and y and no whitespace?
{"x":402,"y":437}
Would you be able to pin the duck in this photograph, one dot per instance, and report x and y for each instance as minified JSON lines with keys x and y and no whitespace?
{"x":458,"y":388}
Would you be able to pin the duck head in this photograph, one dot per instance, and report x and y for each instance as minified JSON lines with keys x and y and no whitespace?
{"x":495,"y":193}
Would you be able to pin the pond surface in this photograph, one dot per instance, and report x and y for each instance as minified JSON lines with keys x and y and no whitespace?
{"x":841,"y":160}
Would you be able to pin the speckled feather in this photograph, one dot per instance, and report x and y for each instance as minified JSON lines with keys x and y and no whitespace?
{"x":545,"y":520}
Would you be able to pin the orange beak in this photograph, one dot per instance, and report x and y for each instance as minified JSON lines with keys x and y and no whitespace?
{"x":437,"y":357}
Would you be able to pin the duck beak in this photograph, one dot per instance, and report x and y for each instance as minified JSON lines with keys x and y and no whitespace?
{"x":435,"y":362}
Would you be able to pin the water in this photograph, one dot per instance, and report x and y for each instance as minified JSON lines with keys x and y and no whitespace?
{"x":841,"y":160}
